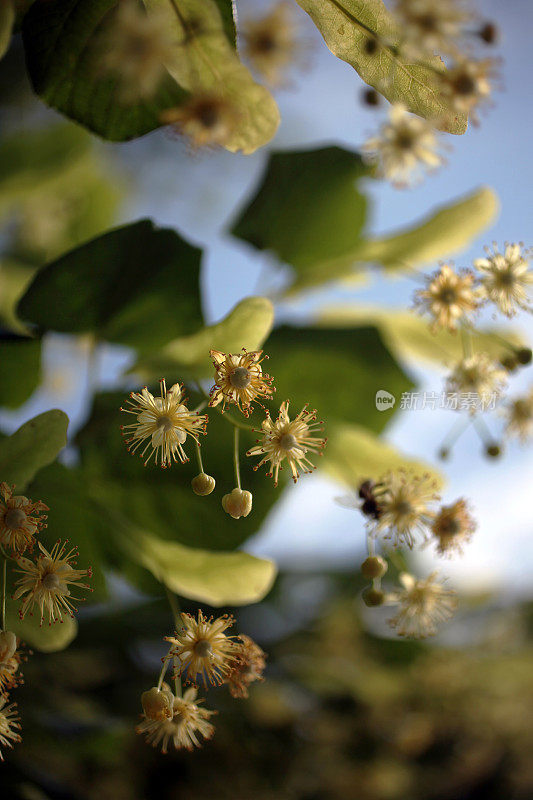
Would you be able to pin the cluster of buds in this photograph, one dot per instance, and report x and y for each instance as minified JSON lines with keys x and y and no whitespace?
{"x":407,"y":146}
{"x":44,"y":586}
{"x":201,"y":652}
{"x":162,"y":425}
{"x":404,"y":510}
{"x":502,"y":281}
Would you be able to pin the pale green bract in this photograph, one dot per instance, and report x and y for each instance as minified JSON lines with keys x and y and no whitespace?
{"x":347,"y":24}
{"x":34,"y":445}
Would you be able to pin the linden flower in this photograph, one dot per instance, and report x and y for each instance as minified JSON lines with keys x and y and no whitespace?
{"x":134,"y":49}
{"x":248,"y":667}
{"x":429,"y":26}
{"x":452,"y":527}
{"x":423,"y":605}
{"x":405,"y":146}
{"x":478,"y":375}
{"x":404,"y":503}
{"x":18,"y":519}
{"x":520,"y":417}
{"x":10,"y":660}
{"x":206,"y":119}
{"x":449,"y":297}
{"x":45,"y":583}
{"x":202,"y":648}
{"x":182,"y":728}
{"x":163,"y":423}
{"x":271,"y":43}
{"x":283,"y":439}
{"x":9,"y":721}
{"x":239,"y":379}
{"x":506,"y":278}
{"x":467,"y":84}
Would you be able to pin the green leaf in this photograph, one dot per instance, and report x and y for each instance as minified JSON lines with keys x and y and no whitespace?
{"x":247,"y":325}
{"x":7,"y":19}
{"x":20,"y":369}
{"x":307,"y":208}
{"x":346,"y":25}
{"x":227,"y":10}
{"x":14,"y":279}
{"x":136,"y":285}
{"x":336,"y":370}
{"x":442,"y":233}
{"x":61,"y":45}
{"x":44,"y":638}
{"x":409,"y":337}
{"x":219,"y":579}
{"x":34,"y":445}
{"x":354,"y":453}
{"x":72,"y":516}
{"x":206,"y":61}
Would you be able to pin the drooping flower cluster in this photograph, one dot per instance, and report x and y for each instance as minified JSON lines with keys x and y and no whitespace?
{"x":404,"y":510}
{"x":476,"y":382}
{"x":44,"y":586}
{"x":201,"y":652}
{"x":163,"y":424}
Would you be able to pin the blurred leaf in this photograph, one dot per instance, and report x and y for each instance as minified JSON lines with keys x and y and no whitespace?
{"x":444,"y":232}
{"x":354,"y":453}
{"x":247,"y":325}
{"x":307,"y":208}
{"x":14,"y":279}
{"x":228,"y":11}
{"x":137,"y":285}
{"x":206,"y":61}
{"x":72,"y":515}
{"x":34,"y":445}
{"x":36,"y":159}
{"x":45,"y":638}
{"x":336,"y":370}
{"x":346,"y":26}
{"x":20,"y":369}
{"x":409,"y":336}
{"x":7,"y":18}
{"x":216,"y":578}
{"x":61,"y":47}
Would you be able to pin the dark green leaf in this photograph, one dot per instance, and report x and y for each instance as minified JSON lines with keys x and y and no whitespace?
{"x":308,"y":207}
{"x":137,"y":285}
{"x":61,"y":44}
{"x":33,"y":446}
{"x":336,"y":370}
{"x":20,"y":369}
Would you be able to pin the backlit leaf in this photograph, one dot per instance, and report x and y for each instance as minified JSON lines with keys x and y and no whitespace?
{"x":34,"y":445}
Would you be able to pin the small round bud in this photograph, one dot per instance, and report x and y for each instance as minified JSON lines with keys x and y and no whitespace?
{"x":8,"y":645}
{"x":237,"y":503}
{"x":509,"y":363}
{"x":373,"y":597}
{"x":444,"y":454}
{"x":374,"y":567}
{"x":203,"y":484}
{"x":524,"y":355}
{"x":157,"y":703}
{"x":370,"y":98}
{"x":488,"y":33}
{"x":493,"y":451}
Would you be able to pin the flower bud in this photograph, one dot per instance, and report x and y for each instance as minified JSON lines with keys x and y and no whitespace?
{"x":373,"y":597}
{"x":374,"y":567}
{"x":238,"y":503}
{"x":8,"y":645}
{"x":203,"y":484}
{"x":157,"y":703}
